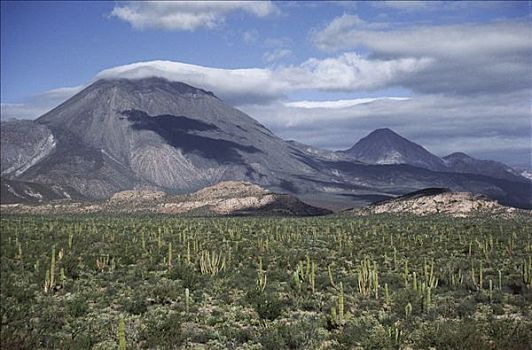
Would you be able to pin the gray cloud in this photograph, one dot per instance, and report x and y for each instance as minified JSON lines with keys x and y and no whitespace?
{"x":38,"y":104}
{"x":485,"y":126}
{"x":467,"y":58}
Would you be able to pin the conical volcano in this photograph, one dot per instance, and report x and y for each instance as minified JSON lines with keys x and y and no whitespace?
{"x":384,"y":146}
{"x":120,"y":134}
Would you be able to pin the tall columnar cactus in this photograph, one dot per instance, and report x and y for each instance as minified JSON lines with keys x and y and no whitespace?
{"x":261,"y":277}
{"x":170,"y":255}
{"x":211,"y":263}
{"x":341,"y":309}
{"x":331,"y":280}
{"x":52,"y":267}
{"x":408,"y":310}
{"x":527,"y":272}
{"x":187,"y":300}
{"x":368,"y":278}
{"x":122,"y":334}
{"x":312,"y":277}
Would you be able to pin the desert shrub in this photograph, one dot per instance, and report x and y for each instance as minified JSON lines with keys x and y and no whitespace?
{"x":163,"y":334}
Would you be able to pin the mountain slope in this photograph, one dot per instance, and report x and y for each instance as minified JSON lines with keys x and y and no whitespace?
{"x":12,"y":191}
{"x":23,"y":143}
{"x":384,"y":146}
{"x":462,"y":163}
{"x":120,"y":134}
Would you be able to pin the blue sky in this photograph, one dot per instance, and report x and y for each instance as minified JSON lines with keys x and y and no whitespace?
{"x":377,"y":50}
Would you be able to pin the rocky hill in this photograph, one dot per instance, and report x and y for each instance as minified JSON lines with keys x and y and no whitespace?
{"x":225,"y":198}
{"x":442,"y":201}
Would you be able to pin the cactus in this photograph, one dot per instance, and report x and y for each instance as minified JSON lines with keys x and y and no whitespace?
{"x":406,"y":274}
{"x":408,"y":310}
{"x":261,"y":277}
{"x":480,"y":276}
{"x":121,"y":334}
{"x":527,"y":272}
{"x":70,"y":239}
{"x":170,"y":255}
{"x":368,"y":278}
{"x":331,"y":280}
{"x":341,"y":303}
{"x":52,"y":268}
{"x":427,"y":301}
{"x":211,"y":263}
{"x":62,"y":277}
{"x":312,"y":277}
{"x":187,"y":300}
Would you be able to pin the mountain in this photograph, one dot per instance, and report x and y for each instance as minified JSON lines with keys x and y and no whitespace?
{"x":462,"y":163}
{"x":157,"y":135}
{"x":225,"y":198}
{"x":384,"y":146}
{"x":121,"y":134}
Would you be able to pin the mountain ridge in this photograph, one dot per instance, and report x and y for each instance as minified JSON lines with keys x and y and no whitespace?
{"x":122,"y":134}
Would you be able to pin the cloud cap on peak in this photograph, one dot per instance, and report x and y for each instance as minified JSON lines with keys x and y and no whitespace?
{"x":347,"y":72}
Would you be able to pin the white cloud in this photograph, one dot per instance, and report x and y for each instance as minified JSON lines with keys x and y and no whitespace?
{"x":347,"y":72}
{"x":276,"y":55}
{"x":186,"y":15}
{"x":337,"y":104}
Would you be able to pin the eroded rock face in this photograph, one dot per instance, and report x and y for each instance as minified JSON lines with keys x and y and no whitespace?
{"x":137,"y":196}
{"x":24,"y":144}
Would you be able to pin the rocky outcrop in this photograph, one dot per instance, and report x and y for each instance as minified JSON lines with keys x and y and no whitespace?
{"x":130,"y":196}
{"x":442,"y":201}
{"x":225,"y":198}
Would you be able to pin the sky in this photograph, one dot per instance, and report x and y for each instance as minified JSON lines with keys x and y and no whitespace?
{"x":451,"y":76}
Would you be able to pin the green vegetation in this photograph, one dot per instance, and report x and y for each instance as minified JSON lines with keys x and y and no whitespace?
{"x":376,"y":282}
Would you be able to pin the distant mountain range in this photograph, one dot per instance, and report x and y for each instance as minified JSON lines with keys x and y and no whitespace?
{"x":154,"y":134}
